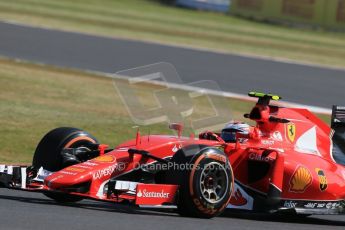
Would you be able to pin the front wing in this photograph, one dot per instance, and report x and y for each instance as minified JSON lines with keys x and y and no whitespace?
{"x":150,"y":195}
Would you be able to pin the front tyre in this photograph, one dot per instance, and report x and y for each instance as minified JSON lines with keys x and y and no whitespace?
{"x":48,"y":153}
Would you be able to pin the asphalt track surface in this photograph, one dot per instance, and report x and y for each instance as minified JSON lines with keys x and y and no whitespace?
{"x":302,"y":84}
{"x":24,"y":210}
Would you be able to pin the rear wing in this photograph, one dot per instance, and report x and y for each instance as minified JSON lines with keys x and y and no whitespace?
{"x":338,"y":117}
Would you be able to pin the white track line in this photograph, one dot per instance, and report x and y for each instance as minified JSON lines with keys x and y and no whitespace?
{"x":243,"y":97}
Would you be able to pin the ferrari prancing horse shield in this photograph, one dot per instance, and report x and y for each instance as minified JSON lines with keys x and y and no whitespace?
{"x":291,"y":131}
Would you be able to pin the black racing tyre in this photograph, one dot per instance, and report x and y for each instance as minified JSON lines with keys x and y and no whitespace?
{"x":48,"y":153}
{"x":206,"y":181}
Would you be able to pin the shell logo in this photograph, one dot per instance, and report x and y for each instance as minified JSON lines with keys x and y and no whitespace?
{"x":104,"y":159}
{"x":300,"y":180}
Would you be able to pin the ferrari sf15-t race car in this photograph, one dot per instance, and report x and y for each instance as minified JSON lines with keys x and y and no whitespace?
{"x":289,"y":162}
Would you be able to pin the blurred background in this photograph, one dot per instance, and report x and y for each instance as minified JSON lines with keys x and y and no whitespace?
{"x":316,"y":13}
{"x":56,"y":57}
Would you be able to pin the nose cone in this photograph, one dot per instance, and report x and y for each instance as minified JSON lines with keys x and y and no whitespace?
{"x":68,"y":177}
{"x":100,"y":168}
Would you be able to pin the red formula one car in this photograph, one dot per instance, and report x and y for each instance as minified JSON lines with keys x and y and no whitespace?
{"x":290,"y":162}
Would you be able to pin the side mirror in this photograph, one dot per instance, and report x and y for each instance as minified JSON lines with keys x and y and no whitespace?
{"x":178,"y":127}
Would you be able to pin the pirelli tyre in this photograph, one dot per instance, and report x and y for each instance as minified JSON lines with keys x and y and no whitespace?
{"x":206,"y":181}
{"x":48,"y":153}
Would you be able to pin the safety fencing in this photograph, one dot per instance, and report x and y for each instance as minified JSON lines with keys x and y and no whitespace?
{"x":324,"y":13}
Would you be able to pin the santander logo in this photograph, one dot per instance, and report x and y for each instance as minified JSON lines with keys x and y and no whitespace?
{"x":146,"y":194}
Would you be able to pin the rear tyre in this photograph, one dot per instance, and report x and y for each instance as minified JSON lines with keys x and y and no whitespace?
{"x":206,"y":183}
{"x":48,"y":153}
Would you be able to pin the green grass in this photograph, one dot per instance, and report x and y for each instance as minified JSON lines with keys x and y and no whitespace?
{"x":152,"y":21}
{"x":35,"y":99}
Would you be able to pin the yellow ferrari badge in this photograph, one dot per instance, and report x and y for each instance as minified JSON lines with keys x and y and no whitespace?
{"x":291,"y":131}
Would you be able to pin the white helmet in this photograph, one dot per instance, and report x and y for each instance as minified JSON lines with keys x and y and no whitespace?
{"x":229,"y":132}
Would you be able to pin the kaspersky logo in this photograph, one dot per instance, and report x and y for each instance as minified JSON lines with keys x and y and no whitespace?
{"x":144,"y":193}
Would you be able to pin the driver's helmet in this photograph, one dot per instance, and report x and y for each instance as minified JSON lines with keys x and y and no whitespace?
{"x":229,"y":131}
